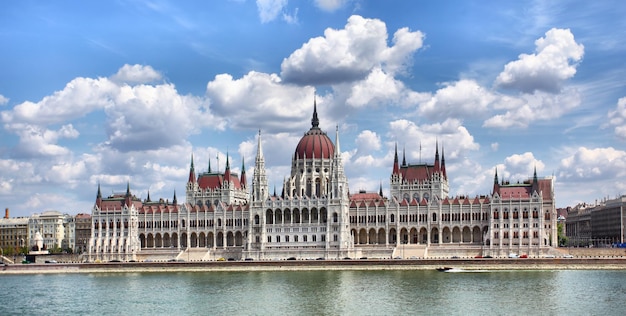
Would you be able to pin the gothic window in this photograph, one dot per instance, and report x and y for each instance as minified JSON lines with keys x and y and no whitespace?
{"x":416,"y":196}
{"x":256,"y":219}
{"x":334,"y":217}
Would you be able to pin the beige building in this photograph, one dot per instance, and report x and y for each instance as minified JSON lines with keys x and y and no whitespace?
{"x":57,"y":229}
{"x":13,"y":234}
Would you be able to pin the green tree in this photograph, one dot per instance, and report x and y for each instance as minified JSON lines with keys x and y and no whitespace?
{"x":563,"y":240}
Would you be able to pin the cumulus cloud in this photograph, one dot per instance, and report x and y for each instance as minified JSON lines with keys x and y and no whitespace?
{"x":259,"y":100}
{"x":460,"y":99}
{"x":617,"y":118}
{"x":78,"y":98}
{"x":367,"y":141}
{"x":379,"y":88}
{"x":555,"y":60}
{"x":351,"y":53}
{"x":36,"y":141}
{"x":133,"y":74}
{"x":522,"y":166}
{"x":3,"y":100}
{"x":149,"y":117}
{"x":539,"y":106}
{"x":139,"y":117}
{"x":270,"y":9}
{"x":450,"y":134}
{"x":594,"y":164}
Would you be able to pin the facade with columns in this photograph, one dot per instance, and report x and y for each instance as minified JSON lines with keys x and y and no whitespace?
{"x":315,"y":216}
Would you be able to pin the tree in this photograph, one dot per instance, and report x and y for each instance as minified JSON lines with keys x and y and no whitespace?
{"x":560,"y":228}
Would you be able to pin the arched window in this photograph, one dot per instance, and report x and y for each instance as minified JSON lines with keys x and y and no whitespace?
{"x":269,"y":217}
{"x":434,"y":217}
{"x":335,"y":217}
{"x":256,"y":219}
{"x":393,"y":218}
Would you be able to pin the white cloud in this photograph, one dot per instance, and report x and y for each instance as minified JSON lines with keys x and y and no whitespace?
{"x":269,"y":9}
{"x":379,"y":88}
{"x":617,"y":118}
{"x":420,"y":141}
{"x":555,"y":61}
{"x":36,"y":141}
{"x":460,"y":99}
{"x":522,"y":166}
{"x":604,"y":164}
{"x":529,"y":108}
{"x":261,"y":101}
{"x":79,"y":97}
{"x":351,"y":53}
{"x":367,"y":142}
{"x":138,"y":117}
{"x":134,"y":74}
{"x":3,"y":100}
{"x":148,"y":117}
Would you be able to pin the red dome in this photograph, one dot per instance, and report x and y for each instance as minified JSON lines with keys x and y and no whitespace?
{"x":316,"y":144}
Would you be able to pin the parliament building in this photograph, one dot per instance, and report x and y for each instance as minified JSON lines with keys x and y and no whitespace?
{"x":316,"y":216}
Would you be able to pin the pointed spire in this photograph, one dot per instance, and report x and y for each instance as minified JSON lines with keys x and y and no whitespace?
{"x":274,"y":190}
{"x":127,"y":188}
{"x":496,"y":186}
{"x":535,"y":180}
{"x":209,"y":165}
{"x":403,"y":157}
{"x":227,"y":171}
{"x":443,"y":163}
{"x":315,"y":122}
{"x":380,"y":190}
{"x":148,"y":198}
{"x":174,"y":201}
{"x":99,"y":197}
{"x":396,"y":169}
{"x":437,"y":164}
{"x":242,"y":178}
{"x":192,"y":172}
{"x":337,"y":148}
{"x":495,"y":179}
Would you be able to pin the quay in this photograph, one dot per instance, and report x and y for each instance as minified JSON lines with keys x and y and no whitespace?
{"x":312,"y":265}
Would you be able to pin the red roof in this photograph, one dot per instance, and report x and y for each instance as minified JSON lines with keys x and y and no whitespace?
{"x":214,"y":181}
{"x":316,"y":144}
{"x":412,"y":173}
{"x":524,"y":190}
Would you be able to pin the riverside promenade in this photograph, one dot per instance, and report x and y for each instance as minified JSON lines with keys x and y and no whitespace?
{"x":313,"y":265}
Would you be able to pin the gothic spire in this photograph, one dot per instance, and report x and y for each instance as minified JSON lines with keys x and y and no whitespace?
{"x":443,"y":163}
{"x":437,"y":164}
{"x":242,"y":178}
{"x":396,"y":169}
{"x":380,"y":190}
{"x":315,"y":122}
{"x":403,"y":157}
{"x":192,"y":172}
{"x":174,"y":201}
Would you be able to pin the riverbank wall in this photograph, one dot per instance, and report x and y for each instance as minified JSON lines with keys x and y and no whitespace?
{"x":305,"y":265}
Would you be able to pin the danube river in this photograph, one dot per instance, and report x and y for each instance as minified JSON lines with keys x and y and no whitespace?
{"x":390,"y":292}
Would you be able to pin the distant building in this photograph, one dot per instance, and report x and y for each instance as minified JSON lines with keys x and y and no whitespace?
{"x":82,"y":227}
{"x":13,"y":233}
{"x":315,"y":216}
{"x":597,"y":225}
{"x":56,"y":228}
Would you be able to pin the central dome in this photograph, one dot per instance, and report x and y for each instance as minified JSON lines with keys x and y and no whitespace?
{"x":315,"y":143}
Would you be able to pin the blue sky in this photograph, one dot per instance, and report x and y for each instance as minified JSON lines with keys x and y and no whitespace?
{"x":125,"y":91}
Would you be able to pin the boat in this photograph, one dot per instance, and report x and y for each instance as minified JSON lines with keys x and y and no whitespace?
{"x":444,"y":269}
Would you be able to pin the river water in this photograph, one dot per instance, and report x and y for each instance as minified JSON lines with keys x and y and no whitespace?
{"x":577,"y":292}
